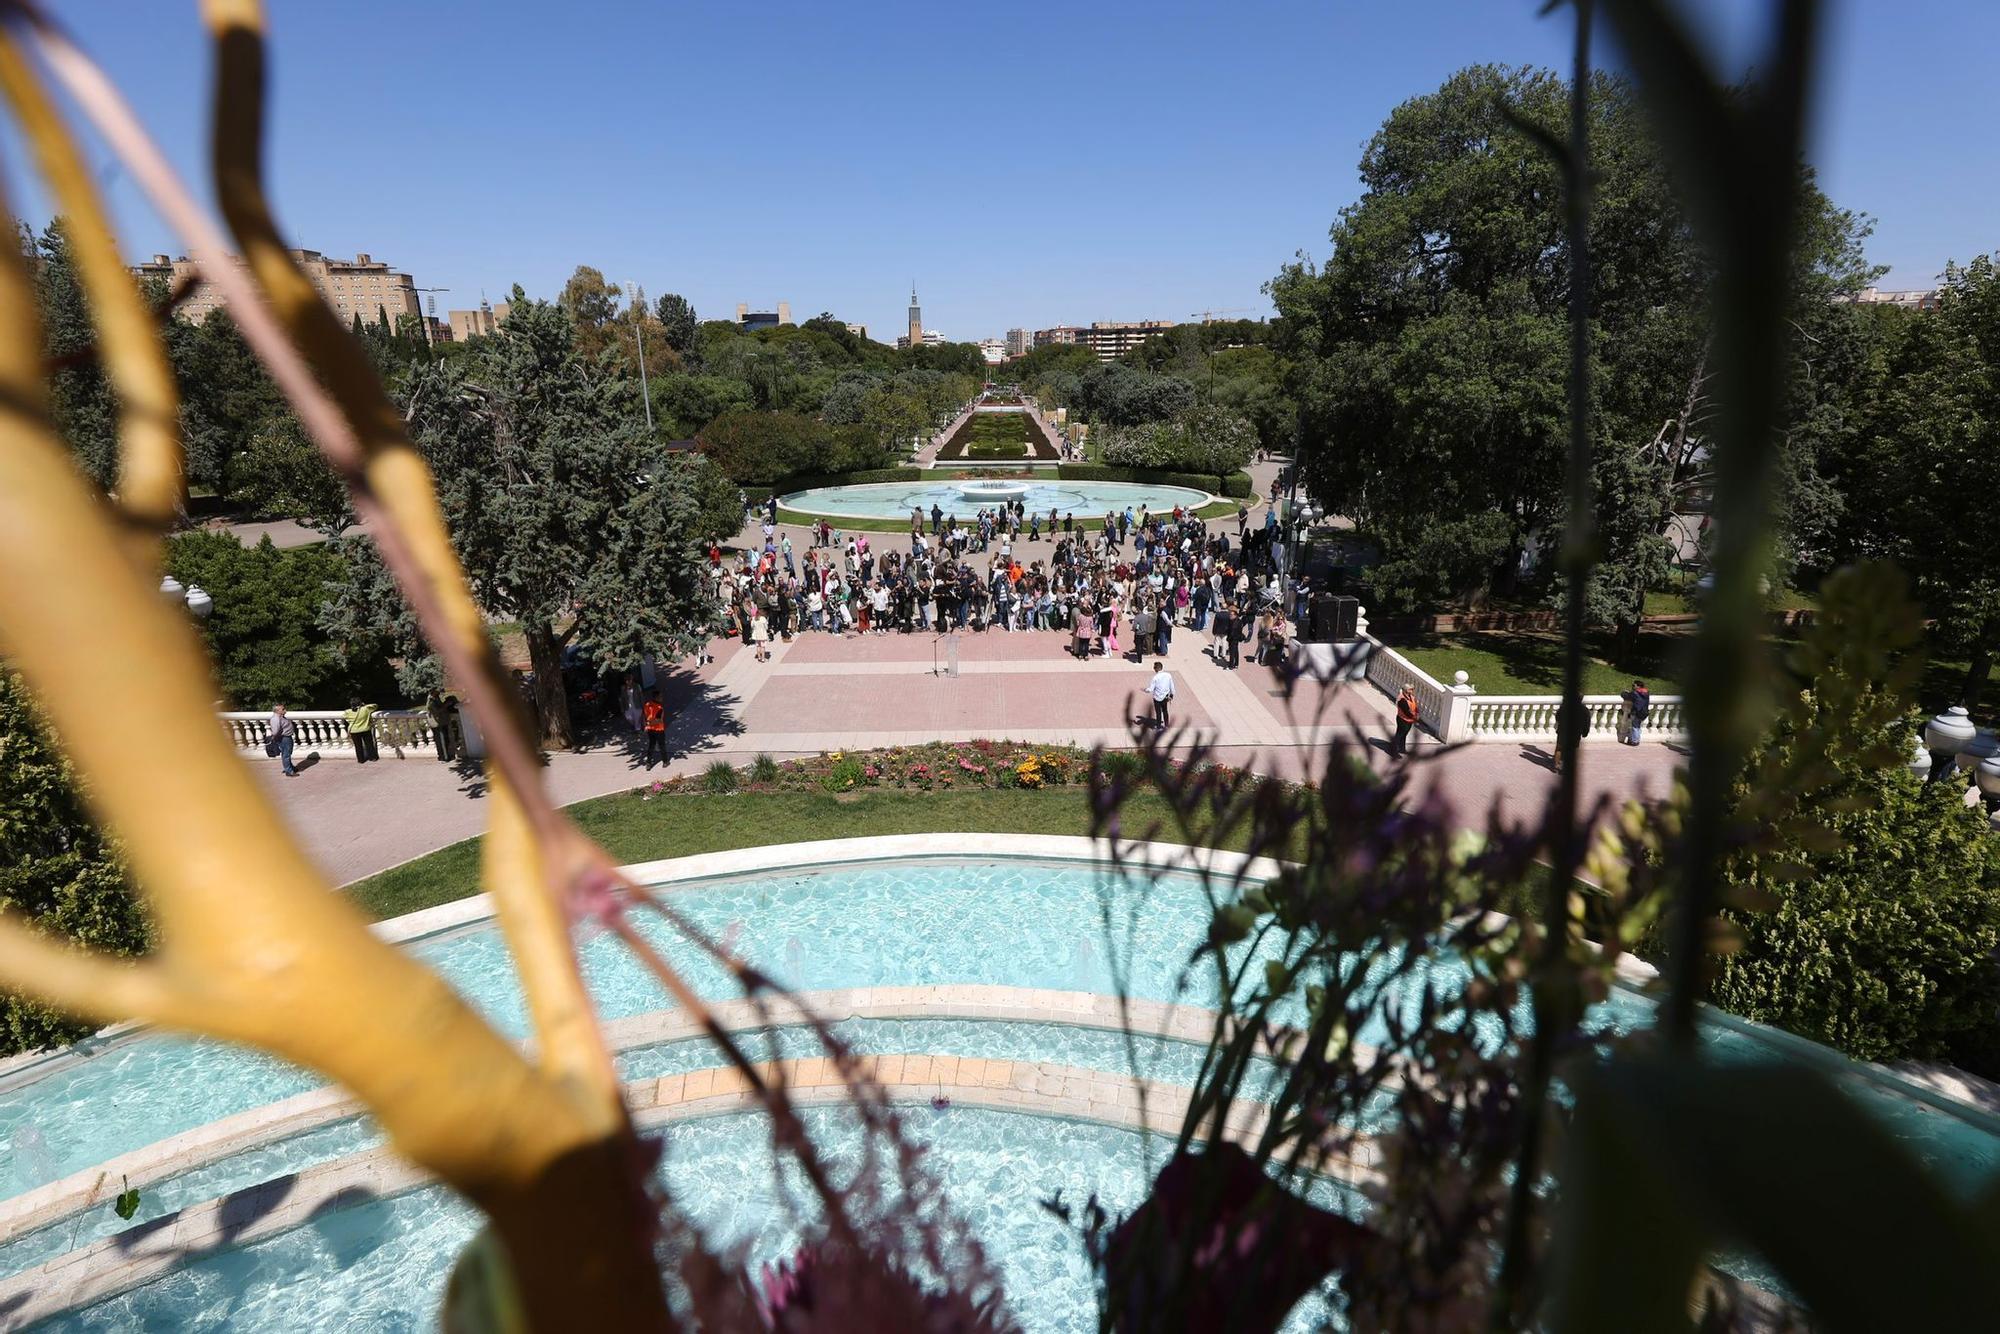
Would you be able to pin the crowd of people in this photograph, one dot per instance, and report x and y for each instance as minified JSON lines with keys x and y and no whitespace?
{"x":1119,"y":584}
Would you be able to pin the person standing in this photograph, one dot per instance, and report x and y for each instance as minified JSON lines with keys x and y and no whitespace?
{"x":284,"y":733}
{"x":1408,"y":713}
{"x":653,"y":723}
{"x":361,"y":732}
{"x":1638,"y":703}
{"x":1161,"y":688}
{"x":440,"y":712}
{"x":1241,"y":627}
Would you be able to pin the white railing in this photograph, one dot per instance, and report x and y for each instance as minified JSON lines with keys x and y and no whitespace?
{"x":396,"y":730}
{"x":1457,"y":712}
{"x":1533,"y":718}
{"x":1389,"y":671}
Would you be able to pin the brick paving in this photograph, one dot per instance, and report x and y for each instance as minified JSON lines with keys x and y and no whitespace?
{"x":823,"y":692}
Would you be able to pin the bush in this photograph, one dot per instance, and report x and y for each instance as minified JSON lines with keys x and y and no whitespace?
{"x":847,"y":773}
{"x":764,"y":769}
{"x":1879,"y":895}
{"x":719,"y":777}
{"x":1238,"y":486}
{"x":1199,"y":440}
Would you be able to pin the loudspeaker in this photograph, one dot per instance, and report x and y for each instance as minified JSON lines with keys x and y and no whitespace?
{"x":1331,"y":617}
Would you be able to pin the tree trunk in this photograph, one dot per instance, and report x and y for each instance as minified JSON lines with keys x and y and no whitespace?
{"x":551,"y":700}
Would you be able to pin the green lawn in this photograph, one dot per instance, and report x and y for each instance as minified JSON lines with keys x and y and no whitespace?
{"x":997,"y":449}
{"x":1529,"y":663}
{"x":632,"y":829}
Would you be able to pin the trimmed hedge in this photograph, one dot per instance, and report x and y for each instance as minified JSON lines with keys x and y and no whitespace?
{"x":1236,"y":485}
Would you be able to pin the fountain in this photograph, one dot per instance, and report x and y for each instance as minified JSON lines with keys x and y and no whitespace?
{"x":982,"y":492}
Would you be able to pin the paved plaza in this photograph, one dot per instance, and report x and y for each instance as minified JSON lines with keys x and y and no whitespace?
{"x":823,"y":693}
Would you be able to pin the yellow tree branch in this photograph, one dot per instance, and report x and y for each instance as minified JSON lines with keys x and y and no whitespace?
{"x":84,"y":984}
{"x":253,"y":945}
{"x":151,"y":489}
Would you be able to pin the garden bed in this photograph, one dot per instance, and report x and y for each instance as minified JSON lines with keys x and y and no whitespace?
{"x":998,"y":435}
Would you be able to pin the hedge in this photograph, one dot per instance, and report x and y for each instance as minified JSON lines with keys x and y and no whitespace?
{"x":1236,"y":485}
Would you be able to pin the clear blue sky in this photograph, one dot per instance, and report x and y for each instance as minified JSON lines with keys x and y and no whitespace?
{"x":1027,"y":164}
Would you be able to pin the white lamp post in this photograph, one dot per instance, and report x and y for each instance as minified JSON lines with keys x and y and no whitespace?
{"x":1987,"y":774}
{"x":1945,"y":736}
{"x":1920,"y":759}
{"x":193,"y":596}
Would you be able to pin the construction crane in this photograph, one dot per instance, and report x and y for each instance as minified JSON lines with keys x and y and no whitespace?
{"x":1208,"y":316}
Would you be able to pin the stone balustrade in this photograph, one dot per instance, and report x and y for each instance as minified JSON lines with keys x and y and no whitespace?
{"x":396,"y":730}
{"x":1533,"y":718}
{"x":1458,"y":712}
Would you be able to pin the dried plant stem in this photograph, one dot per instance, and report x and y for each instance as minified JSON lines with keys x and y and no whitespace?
{"x":151,"y":490}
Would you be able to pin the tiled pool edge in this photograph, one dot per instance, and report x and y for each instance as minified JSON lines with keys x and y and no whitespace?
{"x":194,"y":1148}
{"x":114,"y":1265}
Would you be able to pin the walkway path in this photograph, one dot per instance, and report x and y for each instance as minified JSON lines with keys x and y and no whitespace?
{"x":823,"y":693}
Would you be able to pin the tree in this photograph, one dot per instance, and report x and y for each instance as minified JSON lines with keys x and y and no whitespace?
{"x":677,"y":322}
{"x":1114,"y":394}
{"x":1868,"y":902}
{"x":591,"y":305}
{"x":568,"y":518}
{"x":80,"y":398}
{"x":1928,"y":442}
{"x":264,"y":634}
{"x":56,"y":869}
{"x":686,"y":403}
{"x":284,"y":476}
{"x":227,"y":400}
{"x":1199,"y":440}
{"x":1429,"y":354}
{"x":763,"y":448}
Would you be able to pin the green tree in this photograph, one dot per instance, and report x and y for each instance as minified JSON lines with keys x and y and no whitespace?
{"x":56,"y":869}
{"x":1927,"y":444}
{"x":686,"y":403}
{"x":1199,"y":440}
{"x":284,"y":476}
{"x":677,"y":322}
{"x":1868,"y":902}
{"x":568,"y":518}
{"x":227,"y":400}
{"x":592,"y":306}
{"x":80,"y":398}
{"x":1429,"y":354}
{"x":763,"y":448}
{"x":264,"y":634}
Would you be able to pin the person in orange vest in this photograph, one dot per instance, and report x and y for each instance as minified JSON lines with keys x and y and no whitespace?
{"x":653,"y":722}
{"x":1408,"y":713}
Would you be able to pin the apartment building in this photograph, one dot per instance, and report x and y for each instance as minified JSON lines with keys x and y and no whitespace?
{"x":1109,"y":339}
{"x":469,"y":324}
{"x":363,"y":286}
{"x":994,"y":350}
{"x":1019,"y":342}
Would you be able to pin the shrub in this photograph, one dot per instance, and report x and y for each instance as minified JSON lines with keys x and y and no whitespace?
{"x":1200,"y":440}
{"x":1238,"y":486}
{"x":847,"y":772}
{"x":719,"y":777}
{"x":764,"y":769}
{"x":1868,"y":903}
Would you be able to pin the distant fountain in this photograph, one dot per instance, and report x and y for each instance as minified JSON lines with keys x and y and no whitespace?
{"x":985,"y":491}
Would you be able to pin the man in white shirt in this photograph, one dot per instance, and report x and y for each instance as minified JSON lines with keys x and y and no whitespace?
{"x":1161,"y":688}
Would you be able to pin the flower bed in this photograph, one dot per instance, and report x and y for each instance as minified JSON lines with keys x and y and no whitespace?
{"x":938,"y":766}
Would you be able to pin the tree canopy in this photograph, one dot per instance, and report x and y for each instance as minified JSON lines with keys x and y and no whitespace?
{"x":1429,"y":352}
{"x":568,"y":517}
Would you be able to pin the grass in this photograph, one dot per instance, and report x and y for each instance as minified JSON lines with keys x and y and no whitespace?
{"x":997,"y":449}
{"x":633,"y":829}
{"x":1529,"y":663}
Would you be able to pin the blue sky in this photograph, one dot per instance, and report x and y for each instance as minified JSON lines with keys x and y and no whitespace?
{"x":1026,"y":165}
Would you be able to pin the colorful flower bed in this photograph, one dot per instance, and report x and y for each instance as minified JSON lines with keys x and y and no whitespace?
{"x":939,"y":766}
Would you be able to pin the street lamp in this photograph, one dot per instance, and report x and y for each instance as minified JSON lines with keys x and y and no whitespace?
{"x":1987,"y":774}
{"x":1945,"y":736}
{"x":193,"y":596}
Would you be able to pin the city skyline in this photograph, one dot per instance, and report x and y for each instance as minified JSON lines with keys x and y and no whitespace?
{"x":748,"y":176}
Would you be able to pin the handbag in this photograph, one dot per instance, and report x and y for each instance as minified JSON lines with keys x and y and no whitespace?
{"x":271,"y":745}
